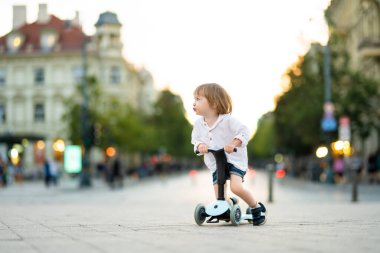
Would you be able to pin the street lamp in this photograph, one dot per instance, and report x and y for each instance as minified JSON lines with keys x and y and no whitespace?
{"x":321,"y":152}
{"x":328,"y":123}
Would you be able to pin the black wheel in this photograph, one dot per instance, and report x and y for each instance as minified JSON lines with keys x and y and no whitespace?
{"x":200,"y":214}
{"x":234,"y":200}
{"x":235,"y":215}
{"x":249,"y":212}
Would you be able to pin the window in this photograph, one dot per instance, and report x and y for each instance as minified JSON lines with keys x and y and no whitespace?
{"x":39,"y":113}
{"x":2,"y":114}
{"x":48,"y":40}
{"x":2,"y":77}
{"x":39,"y":76}
{"x":15,"y":41}
{"x":115,"y":75}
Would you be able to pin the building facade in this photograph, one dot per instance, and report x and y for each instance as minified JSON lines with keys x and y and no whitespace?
{"x":41,"y":66}
{"x":358,"y":22}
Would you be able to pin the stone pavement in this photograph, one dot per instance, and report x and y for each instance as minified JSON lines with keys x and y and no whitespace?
{"x":156,"y":215}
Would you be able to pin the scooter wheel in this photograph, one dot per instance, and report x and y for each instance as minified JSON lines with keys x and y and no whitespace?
{"x":235,"y":215}
{"x":200,"y":214}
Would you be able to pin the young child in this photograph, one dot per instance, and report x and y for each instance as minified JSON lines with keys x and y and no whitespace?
{"x":217,"y":129}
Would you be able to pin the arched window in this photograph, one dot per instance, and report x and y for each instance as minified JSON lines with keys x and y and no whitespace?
{"x":39,"y":112}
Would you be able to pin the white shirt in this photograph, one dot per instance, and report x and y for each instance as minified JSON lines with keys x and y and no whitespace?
{"x":224,"y":130}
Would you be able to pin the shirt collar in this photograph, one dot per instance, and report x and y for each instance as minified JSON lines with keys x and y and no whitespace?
{"x":220,"y":119}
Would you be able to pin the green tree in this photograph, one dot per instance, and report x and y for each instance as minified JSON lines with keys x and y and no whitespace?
{"x":74,"y":115}
{"x":172,"y":128}
{"x":110,"y":122}
{"x":359,"y":99}
{"x":262,"y":144}
{"x":298,"y":112}
{"x":118,"y":124}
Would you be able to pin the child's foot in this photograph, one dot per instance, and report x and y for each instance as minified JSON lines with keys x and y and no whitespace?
{"x":258,"y":215}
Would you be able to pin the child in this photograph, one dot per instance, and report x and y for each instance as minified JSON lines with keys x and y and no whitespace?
{"x":216,"y":129}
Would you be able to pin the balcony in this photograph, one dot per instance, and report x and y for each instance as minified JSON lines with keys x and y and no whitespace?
{"x":369,"y":47}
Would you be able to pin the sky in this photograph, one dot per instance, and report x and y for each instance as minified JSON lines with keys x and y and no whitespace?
{"x":243,"y":45}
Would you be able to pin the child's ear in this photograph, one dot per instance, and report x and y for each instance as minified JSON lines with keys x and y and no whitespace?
{"x":212,"y":105}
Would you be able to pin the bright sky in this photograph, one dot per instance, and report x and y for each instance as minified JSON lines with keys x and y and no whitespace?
{"x":244,"y":45}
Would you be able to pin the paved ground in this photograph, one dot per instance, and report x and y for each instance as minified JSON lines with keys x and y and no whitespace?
{"x":157,"y":216}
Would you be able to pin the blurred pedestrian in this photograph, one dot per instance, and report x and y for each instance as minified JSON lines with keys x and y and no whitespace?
{"x":19,"y":172}
{"x":54,"y":173}
{"x":218,"y":129}
{"x":47,"y":174}
{"x":116,"y":173}
{"x":3,"y":172}
{"x":338,"y":168}
{"x":374,"y":167}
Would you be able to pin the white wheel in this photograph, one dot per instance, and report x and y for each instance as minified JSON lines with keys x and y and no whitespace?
{"x":235,"y":215}
{"x":200,"y":214}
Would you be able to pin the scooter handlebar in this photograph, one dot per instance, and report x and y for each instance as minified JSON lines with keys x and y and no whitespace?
{"x":213,"y":150}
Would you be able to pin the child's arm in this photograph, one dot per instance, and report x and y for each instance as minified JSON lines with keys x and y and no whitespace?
{"x":241,"y":133}
{"x":198,"y":145}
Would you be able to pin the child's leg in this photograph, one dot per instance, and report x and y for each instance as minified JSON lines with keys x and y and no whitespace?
{"x":238,"y":189}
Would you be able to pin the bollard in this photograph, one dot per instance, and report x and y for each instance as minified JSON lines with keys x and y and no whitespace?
{"x":354,"y":195}
{"x":270,"y":169}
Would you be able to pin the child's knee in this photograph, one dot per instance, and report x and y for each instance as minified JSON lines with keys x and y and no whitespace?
{"x":236,"y":189}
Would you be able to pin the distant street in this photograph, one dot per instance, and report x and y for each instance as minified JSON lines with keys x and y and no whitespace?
{"x":156,"y":215}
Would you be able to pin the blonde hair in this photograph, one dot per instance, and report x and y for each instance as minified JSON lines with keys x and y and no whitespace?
{"x":217,"y":97}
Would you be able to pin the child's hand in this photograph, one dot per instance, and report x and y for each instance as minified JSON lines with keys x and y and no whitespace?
{"x":229,"y":148}
{"x":202,"y":148}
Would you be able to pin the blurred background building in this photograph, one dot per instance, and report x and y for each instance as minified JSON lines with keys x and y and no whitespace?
{"x":41,"y":66}
{"x":358,"y":22}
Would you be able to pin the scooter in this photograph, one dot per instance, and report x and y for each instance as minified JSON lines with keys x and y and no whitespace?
{"x":221,"y":209}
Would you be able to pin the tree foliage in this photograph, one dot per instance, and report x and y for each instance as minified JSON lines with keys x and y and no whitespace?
{"x":172,"y":128}
{"x":262,"y":144}
{"x":299,"y":110}
{"x":114,"y":123}
{"x":359,"y":99}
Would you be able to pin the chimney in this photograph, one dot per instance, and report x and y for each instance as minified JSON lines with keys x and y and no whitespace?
{"x":76,"y":19}
{"x":19,"y":16}
{"x":43,"y":16}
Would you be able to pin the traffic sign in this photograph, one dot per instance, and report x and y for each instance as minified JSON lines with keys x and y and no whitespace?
{"x":344,"y":129}
{"x":328,"y":124}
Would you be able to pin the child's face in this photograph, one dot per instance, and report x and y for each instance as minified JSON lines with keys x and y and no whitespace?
{"x":201,"y":105}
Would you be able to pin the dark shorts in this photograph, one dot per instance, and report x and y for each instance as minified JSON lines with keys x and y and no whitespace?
{"x":232,"y":170}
